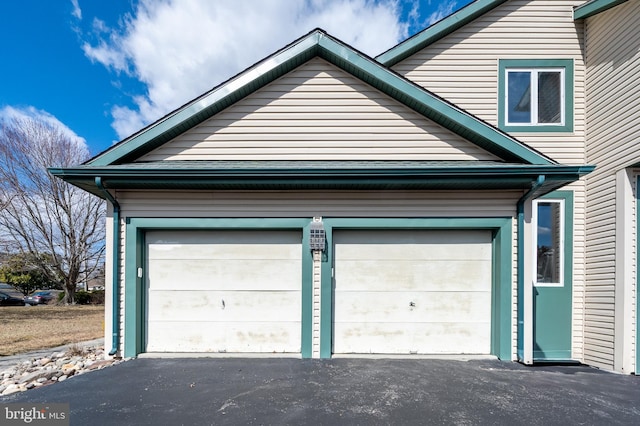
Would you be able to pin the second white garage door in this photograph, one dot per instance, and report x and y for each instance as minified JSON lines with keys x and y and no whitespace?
{"x":224,"y":291}
{"x":417,"y":291}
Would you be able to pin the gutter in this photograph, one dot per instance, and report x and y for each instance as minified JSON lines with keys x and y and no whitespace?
{"x":525,"y":302}
{"x":115,"y":289}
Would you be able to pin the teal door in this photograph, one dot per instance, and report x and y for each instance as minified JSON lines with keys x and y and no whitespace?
{"x":552,"y":291}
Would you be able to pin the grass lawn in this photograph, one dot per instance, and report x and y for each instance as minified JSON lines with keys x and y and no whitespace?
{"x":24,"y":329}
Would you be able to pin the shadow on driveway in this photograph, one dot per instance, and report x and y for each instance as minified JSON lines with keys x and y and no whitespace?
{"x":207,"y":391}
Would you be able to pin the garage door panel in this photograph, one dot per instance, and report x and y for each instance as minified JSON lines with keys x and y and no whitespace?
{"x":239,"y":337}
{"x":429,"y":274}
{"x":223,"y":251}
{"x":427,"y":307}
{"x":412,"y":291}
{"x":224,"y":245}
{"x":224,"y":291}
{"x":412,"y":338}
{"x":220,"y":306}
{"x":178,"y":274}
{"x":410,"y":245}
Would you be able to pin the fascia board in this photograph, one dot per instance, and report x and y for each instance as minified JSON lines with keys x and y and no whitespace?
{"x":163,"y":173}
{"x":594,"y":7}
{"x":436,"y":31}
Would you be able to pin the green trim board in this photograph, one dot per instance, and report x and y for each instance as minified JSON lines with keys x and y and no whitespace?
{"x":566,"y":64}
{"x":552,"y":321}
{"x":134,"y":285}
{"x":594,"y":7}
{"x":501,"y":270}
{"x":319,"y":44}
{"x":266,"y":175}
{"x":437,"y":31}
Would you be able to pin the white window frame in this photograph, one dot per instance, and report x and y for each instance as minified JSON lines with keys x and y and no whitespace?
{"x":534,"y":72}
{"x":561,"y":230}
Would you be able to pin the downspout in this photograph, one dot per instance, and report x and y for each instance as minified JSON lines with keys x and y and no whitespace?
{"x":525,"y":313}
{"x":115,"y":288}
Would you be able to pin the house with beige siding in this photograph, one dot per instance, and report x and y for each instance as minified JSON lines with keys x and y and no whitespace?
{"x":464,"y":192}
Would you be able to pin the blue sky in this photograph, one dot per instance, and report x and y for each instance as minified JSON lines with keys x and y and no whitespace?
{"x":103,"y":69}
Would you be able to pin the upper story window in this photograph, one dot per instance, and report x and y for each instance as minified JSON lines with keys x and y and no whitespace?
{"x":536,"y":95}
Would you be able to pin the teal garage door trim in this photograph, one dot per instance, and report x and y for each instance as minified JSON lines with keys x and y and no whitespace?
{"x":501,"y":246}
{"x":135,"y":276}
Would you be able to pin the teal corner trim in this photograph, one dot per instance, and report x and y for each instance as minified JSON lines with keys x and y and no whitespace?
{"x":135,"y":294}
{"x":520,"y":264}
{"x":593,"y":7}
{"x":502,"y":289}
{"x":115,"y":270}
{"x":326,"y":295}
{"x":307,"y":295}
{"x":436,"y":31}
{"x":567,"y":64}
{"x":501,"y":271}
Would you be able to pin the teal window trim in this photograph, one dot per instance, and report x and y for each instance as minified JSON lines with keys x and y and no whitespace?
{"x":561,"y":244}
{"x":567,"y":262}
{"x":134,"y":285}
{"x":502,"y":238}
{"x":566,"y":64}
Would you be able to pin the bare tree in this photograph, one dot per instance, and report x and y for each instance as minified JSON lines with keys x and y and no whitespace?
{"x":42,"y":216}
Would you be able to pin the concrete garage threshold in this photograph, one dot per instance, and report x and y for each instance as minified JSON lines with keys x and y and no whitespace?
{"x":209,"y":391}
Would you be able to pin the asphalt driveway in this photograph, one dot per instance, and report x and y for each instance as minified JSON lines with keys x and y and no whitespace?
{"x":206,"y":391}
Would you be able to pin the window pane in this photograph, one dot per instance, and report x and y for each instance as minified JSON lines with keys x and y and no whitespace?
{"x":549,"y":97}
{"x":549,"y":250}
{"x":519,"y":97}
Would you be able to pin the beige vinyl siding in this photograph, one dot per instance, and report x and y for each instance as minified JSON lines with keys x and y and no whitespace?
{"x":613,"y":137}
{"x":318,"y":112}
{"x":317,"y":203}
{"x":206,"y":204}
{"x":463,"y":66}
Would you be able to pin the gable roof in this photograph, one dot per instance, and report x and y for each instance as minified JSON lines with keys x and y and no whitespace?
{"x":593,"y":7}
{"x":437,"y":31}
{"x":521,"y":165}
{"x":319,"y":44}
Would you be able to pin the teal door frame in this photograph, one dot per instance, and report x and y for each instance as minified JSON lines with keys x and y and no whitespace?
{"x":135,"y":269}
{"x":502,"y":277}
{"x":553,"y":305}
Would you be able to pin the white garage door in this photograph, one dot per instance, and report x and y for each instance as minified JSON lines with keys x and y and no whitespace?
{"x":405,"y":292}
{"x":223,"y":291}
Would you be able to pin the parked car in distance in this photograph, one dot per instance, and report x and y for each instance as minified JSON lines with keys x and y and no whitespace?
{"x":41,"y":297}
{"x":9,"y":300}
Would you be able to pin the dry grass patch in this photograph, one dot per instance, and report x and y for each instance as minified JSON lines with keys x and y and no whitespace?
{"x":27,"y":328}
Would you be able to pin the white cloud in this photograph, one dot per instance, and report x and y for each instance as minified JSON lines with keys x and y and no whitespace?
{"x":179,"y":49}
{"x":11,"y":113}
{"x":76,"y":12}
